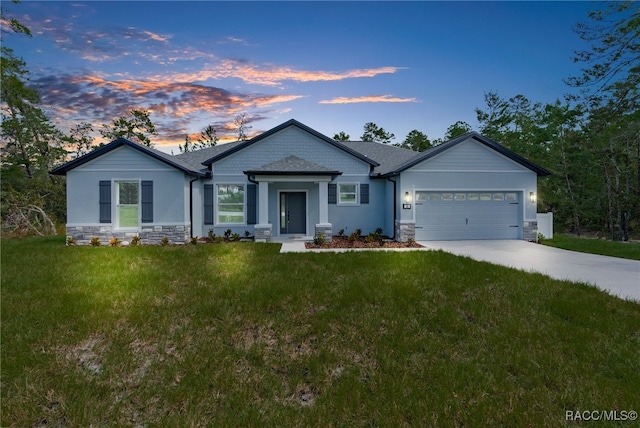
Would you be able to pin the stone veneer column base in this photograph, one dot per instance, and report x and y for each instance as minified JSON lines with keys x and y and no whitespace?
{"x":262,"y":232}
{"x":530,"y":231}
{"x":149,"y":235}
{"x":324,"y":229}
{"x":405,"y":230}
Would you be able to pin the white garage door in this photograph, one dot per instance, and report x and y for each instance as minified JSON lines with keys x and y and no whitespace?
{"x":450,"y":216}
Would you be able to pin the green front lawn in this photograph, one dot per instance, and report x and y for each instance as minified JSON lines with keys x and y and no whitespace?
{"x":625,"y":250}
{"x":240,"y":335}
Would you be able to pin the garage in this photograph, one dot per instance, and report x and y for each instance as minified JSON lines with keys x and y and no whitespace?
{"x":461,"y":215}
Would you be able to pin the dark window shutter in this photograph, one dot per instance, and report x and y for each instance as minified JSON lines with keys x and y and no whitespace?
{"x":105,"y":201}
{"x":208,"y":204}
{"x":364,"y":193}
{"x":333,"y":197}
{"x":251,"y":204}
{"x":147,"y":201}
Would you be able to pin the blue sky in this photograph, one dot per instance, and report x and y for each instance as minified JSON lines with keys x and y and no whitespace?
{"x":331,"y":65}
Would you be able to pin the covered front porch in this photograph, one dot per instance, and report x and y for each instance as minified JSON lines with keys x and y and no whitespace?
{"x":292,"y":199}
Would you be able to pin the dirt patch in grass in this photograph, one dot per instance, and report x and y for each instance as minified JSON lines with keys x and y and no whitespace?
{"x":361,"y":242}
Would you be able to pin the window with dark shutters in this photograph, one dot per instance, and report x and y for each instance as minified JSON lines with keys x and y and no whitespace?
{"x":332,"y":194}
{"x":364,"y":193}
{"x":105,"y":201}
{"x":147,"y":201}
{"x":251,"y":204}
{"x":208,"y":204}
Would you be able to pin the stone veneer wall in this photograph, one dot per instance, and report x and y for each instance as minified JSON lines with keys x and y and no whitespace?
{"x":149,"y":235}
{"x":405,"y":231}
{"x":325,"y":230}
{"x":530,"y":231}
{"x":262,"y":233}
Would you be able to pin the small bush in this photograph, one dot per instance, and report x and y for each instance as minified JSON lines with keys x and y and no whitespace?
{"x":194,"y":240}
{"x":211,"y":236}
{"x":114,"y":242}
{"x":358,"y":232}
{"x":71,"y":241}
{"x":353,"y":237}
{"x":247,"y":234}
{"x":227,"y":234}
{"x":135,"y":241}
{"x":235,"y":237}
{"x":319,"y":239}
{"x":341,"y":233}
{"x":379,"y":231}
{"x":541,"y":238}
{"x":164,"y":241}
{"x":95,"y":242}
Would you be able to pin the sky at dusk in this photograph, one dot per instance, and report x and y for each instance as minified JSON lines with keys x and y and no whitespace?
{"x":331,"y":65}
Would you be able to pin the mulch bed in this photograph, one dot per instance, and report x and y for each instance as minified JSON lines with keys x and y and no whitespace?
{"x":344,"y":242}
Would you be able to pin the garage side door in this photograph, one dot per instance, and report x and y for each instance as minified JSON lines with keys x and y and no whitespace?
{"x":448,"y":216}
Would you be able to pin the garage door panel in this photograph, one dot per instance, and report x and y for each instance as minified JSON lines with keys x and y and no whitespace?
{"x":486,"y":215}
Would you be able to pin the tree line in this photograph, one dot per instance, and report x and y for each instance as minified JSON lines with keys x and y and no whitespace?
{"x":590,"y":140}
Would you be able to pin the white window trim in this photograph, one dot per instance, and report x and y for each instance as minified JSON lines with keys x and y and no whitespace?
{"x":215,"y":204}
{"x":348,"y":204}
{"x":115,"y":204}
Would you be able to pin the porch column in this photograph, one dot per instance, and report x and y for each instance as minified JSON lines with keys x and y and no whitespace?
{"x":323,"y":227}
{"x":263,"y":230}
{"x":263,"y":198}
{"x":323,"y":202}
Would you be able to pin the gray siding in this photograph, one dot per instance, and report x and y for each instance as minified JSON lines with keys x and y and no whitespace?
{"x":290,"y":141}
{"x":169,"y":196}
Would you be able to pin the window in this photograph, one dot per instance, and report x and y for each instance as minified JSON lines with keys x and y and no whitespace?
{"x":230,"y":203}
{"x":347,"y":194}
{"x":127,"y":204}
{"x":460,"y":196}
{"x":447,"y":197}
{"x":473,"y":196}
{"x":498,"y":196}
{"x":485,"y":196}
{"x":511,"y":196}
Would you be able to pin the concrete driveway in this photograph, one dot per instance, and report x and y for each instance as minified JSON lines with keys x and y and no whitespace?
{"x":619,"y":277}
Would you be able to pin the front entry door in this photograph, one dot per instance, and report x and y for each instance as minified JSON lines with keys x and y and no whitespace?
{"x":293,"y":213}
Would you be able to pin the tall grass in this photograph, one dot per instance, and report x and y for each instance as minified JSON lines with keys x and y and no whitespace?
{"x":240,"y":335}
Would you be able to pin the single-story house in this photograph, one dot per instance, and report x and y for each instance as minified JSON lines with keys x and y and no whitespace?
{"x":294,"y":181}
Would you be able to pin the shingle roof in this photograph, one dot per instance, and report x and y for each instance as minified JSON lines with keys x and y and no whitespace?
{"x":291,"y":122}
{"x":421,"y":157}
{"x":388,"y":157}
{"x":166,"y":158}
{"x":292,"y":165}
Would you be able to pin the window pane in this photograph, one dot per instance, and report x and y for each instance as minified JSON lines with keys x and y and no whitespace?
{"x":348,"y":193}
{"x":485,"y":196}
{"x":473,"y":196}
{"x":230,"y":203}
{"x":434,"y":196}
{"x":128,"y":215}
{"x":460,"y":196}
{"x":128,"y":192}
{"x":511,"y":196}
{"x":498,"y":196}
{"x":447,"y":196}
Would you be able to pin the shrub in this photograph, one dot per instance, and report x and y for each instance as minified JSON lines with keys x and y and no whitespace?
{"x":164,"y":241}
{"x":247,"y":234}
{"x":235,"y":237}
{"x":95,"y":242}
{"x":353,"y":237}
{"x":71,"y":241}
{"x":379,"y":231}
{"x":541,"y":238}
{"x":211,"y":235}
{"x":135,"y":241}
{"x":319,"y":239}
{"x":358,"y":232}
{"x":114,"y":242}
{"x":194,"y":240}
{"x":341,"y":233}
{"x":227,"y":234}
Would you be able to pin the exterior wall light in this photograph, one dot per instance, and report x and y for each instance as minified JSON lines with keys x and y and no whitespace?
{"x":407,"y":201}
{"x":532,"y":197}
